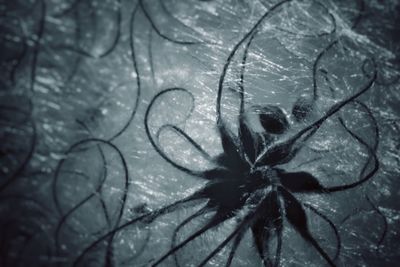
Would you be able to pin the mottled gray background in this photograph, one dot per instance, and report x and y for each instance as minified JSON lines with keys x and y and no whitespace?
{"x":68,"y":74}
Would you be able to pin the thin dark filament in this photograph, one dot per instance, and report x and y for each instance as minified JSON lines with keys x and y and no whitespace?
{"x":298,"y":220}
{"x":333,"y":110}
{"x":168,"y":12}
{"x":157,"y":30}
{"x":148,"y":218}
{"x":234,"y":248}
{"x":237,"y":232}
{"x":103,"y":204}
{"x":380,"y":79}
{"x":198,"y":213}
{"x":240,"y":230}
{"x":186,"y":137}
{"x":138,"y":81}
{"x":85,"y":200}
{"x":123,"y":199}
{"x":368,"y":175}
{"x":66,"y":216}
{"x":372,"y":151}
{"x":208,"y":226}
{"x":253,"y":30}
{"x":81,"y":203}
{"x":242,"y":72}
{"x":315,"y":67}
{"x":220,"y":124}
{"x":78,"y":60}
{"x":154,"y":143}
{"x":357,"y":211}
{"x":332,"y":225}
{"x":320,"y":35}
{"x":215,"y":221}
{"x":58,"y":169}
{"x":114,"y":43}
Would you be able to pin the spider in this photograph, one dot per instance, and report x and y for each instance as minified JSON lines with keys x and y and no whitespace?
{"x":249,"y":176}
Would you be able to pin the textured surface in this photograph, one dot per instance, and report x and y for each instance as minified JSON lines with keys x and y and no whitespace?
{"x":101,"y":103}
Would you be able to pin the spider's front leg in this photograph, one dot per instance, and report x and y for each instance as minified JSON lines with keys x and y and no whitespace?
{"x":269,"y":222}
{"x":299,"y":182}
{"x":295,"y":214}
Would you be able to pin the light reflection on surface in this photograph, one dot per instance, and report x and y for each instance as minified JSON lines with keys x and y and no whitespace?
{"x":77,"y":163}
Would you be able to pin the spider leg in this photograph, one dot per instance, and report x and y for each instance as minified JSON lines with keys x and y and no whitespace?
{"x":373,"y":121}
{"x":363,"y":178}
{"x":158,"y":31}
{"x":154,"y":142}
{"x":283,"y":152}
{"x":198,"y":213}
{"x":65,"y":217}
{"x":261,"y":237}
{"x":332,"y":225}
{"x":248,"y":37}
{"x":97,"y":191}
{"x":261,"y":229}
{"x":242,"y":71}
{"x":248,"y":140}
{"x":371,"y":151}
{"x":302,"y":181}
{"x":376,"y":209}
{"x":299,"y":181}
{"x":187,"y":137}
{"x":238,"y":232}
{"x":298,"y":219}
{"x":279,"y":244}
{"x":145,"y":218}
{"x":230,"y":148}
{"x":337,"y":107}
{"x":229,"y":143}
{"x":215,"y":221}
{"x":315,"y":67}
{"x":245,"y":224}
{"x":170,"y":14}
{"x":235,"y":246}
{"x":113,"y":45}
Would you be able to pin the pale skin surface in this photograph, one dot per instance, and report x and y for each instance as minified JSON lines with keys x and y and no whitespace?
{"x":256,"y":115}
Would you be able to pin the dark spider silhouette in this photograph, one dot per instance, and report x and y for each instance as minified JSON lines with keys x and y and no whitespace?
{"x":248,"y":177}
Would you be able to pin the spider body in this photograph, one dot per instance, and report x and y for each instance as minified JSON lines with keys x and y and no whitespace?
{"x":237,"y":175}
{"x":246,"y":175}
{"x":248,"y":181}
